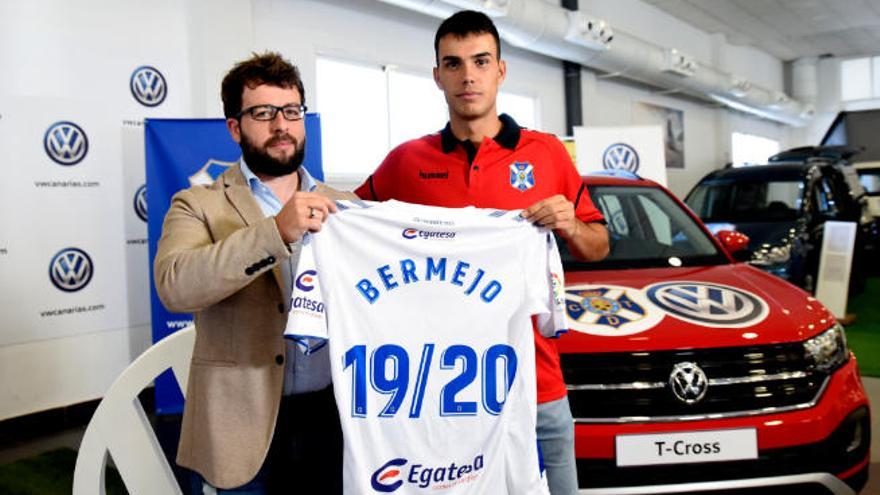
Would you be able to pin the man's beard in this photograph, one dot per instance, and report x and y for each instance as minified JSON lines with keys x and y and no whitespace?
{"x":260,"y":162}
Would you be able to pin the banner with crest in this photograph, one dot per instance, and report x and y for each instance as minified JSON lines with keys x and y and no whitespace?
{"x":179,"y":154}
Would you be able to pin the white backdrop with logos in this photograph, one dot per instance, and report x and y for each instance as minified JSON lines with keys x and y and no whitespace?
{"x":73,"y":252}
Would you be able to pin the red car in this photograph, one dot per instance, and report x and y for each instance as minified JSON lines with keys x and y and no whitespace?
{"x":690,"y":372}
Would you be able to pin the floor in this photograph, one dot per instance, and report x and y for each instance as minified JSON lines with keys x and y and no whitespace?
{"x":72,"y":437}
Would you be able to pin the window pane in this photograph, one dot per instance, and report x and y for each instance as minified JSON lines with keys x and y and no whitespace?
{"x":523,"y":109}
{"x":855,"y":79}
{"x":747,"y":149}
{"x":870,"y":180}
{"x":417,"y":106}
{"x":354,"y":124}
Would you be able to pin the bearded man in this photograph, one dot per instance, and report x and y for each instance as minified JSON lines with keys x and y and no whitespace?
{"x":258,"y":407}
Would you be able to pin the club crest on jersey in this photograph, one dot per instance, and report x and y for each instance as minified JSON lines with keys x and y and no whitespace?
{"x":522,"y":176}
{"x":609,"y":310}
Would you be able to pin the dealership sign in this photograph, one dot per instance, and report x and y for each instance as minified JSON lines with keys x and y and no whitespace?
{"x":636,"y":149}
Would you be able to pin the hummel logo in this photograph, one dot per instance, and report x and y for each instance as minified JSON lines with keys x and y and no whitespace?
{"x":433,"y":175}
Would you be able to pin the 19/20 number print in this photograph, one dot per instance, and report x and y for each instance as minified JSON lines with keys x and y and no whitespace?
{"x":397,"y":384}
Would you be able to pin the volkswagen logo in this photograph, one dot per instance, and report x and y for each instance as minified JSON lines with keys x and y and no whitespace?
{"x":708,"y":304}
{"x":148,"y":86}
{"x":621,"y":156}
{"x":140,"y":202}
{"x":66,"y":143}
{"x":71,"y":269}
{"x":688,"y":382}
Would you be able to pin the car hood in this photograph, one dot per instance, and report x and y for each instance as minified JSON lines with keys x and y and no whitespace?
{"x":760,"y":233}
{"x":685,"y":308}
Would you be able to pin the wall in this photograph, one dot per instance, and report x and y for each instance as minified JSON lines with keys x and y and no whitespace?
{"x":82,"y":52}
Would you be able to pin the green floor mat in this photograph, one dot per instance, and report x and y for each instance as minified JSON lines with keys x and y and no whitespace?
{"x":863,"y":336}
{"x":49,"y":474}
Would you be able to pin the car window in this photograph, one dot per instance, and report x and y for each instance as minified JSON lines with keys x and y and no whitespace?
{"x":870,"y":180}
{"x":739,"y":201}
{"x":661,"y":224}
{"x":823,"y":195}
{"x":613,"y":213}
{"x":647,"y":228}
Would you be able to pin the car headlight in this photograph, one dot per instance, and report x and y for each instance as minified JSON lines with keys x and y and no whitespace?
{"x":828,"y":349}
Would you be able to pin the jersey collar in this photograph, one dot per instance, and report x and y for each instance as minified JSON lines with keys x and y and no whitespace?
{"x":507,"y":137}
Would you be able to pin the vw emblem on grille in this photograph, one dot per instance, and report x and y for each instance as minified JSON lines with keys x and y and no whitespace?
{"x":71,"y":269}
{"x":620,"y":156}
{"x":148,"y":86}
{"x":66,"y":143}
{"x":688,"y":382}
{"x":707,"y":304}
{"x":140,"y":202}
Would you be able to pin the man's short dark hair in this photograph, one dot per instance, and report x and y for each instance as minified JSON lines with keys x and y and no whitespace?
{"x":267,"y":68}
{"x":464,"y":23}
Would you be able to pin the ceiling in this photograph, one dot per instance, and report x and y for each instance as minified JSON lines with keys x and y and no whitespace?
{"x":787,"y":29}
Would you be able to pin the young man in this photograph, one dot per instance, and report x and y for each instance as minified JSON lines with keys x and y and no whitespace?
{"x":257,"y":408}
{"x":486,"y":160}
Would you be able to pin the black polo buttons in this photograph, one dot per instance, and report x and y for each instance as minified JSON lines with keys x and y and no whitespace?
{"x":279,"y":359}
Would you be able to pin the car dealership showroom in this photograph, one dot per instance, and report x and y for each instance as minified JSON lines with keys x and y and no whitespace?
{"x":636,"y":249}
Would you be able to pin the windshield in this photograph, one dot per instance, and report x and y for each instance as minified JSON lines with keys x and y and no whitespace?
{"x":647,"y":229}
{"x":870,"y":180}
{"x":730,"y":201}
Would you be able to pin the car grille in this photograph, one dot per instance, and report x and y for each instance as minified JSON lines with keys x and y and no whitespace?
{"x":635,"y":386}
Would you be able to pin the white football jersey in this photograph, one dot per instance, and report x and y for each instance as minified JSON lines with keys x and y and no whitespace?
{"x":429,"y":313}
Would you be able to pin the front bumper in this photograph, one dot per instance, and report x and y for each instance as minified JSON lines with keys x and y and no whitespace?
{"x":823,"y":449}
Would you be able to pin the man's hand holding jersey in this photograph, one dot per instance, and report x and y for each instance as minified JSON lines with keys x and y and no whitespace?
{"x":587,"y":241}
{"x":303,"y":212}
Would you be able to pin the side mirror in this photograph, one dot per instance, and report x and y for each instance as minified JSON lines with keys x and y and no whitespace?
{"x":736,"y":243}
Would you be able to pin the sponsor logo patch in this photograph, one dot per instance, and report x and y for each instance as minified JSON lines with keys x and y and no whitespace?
{"x":433,"y":175}
{"x":305,"y":281}
{"x":442,"y":235}
{"x":393,"y":474}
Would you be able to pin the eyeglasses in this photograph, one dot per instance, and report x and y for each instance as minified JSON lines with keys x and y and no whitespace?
{"x":268,"y":112}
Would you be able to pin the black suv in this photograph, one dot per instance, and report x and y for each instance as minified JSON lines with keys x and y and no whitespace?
{"x":782,"y":207}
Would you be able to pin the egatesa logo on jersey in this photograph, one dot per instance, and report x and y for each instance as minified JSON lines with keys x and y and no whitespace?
{"x":306,"y":280}
{"x":390,"y":476}
{"x":427,"y":234}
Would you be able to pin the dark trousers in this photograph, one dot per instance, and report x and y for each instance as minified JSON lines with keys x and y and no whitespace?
{"x":305,"y":456}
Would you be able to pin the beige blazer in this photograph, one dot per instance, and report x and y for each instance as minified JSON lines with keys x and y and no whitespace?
{"x":220,"y":258}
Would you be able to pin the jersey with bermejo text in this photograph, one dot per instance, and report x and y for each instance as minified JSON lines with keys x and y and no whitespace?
{"x":429,"y":317}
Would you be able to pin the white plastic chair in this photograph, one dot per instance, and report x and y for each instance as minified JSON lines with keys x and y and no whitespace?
{"x":120,"y":426}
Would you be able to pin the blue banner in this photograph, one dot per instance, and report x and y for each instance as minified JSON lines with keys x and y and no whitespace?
{"x":181,"y":153}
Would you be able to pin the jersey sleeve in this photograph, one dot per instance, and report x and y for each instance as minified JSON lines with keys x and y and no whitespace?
{"x":307,"y":318}
{"x":366,"y":191}
{"x":545,"y":283}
